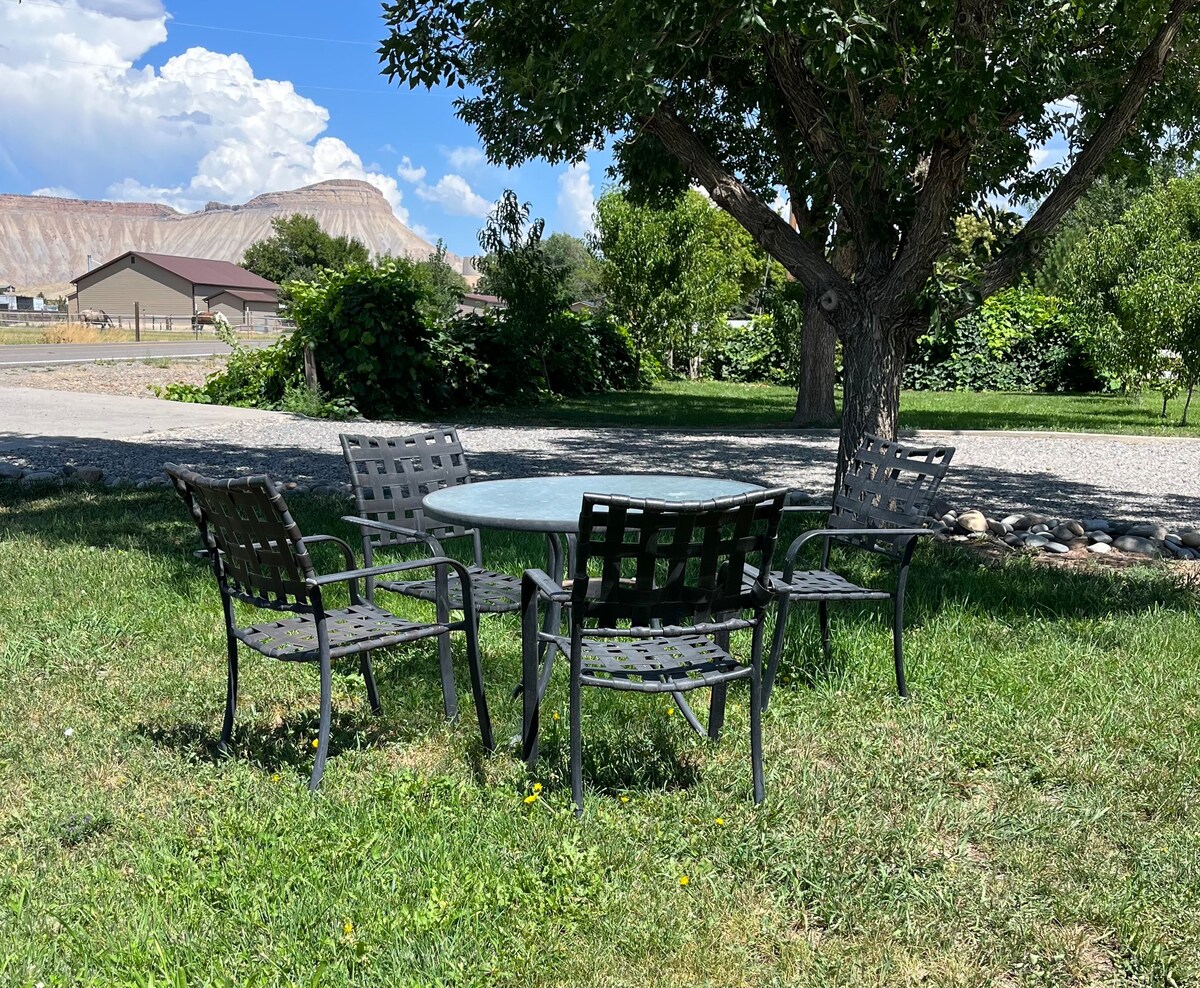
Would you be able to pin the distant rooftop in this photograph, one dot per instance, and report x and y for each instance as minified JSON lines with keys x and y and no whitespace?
{"x":195,"y":270}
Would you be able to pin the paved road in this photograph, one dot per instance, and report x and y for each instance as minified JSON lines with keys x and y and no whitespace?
{"x":1074,"y":474}
{"x":40,"y":354}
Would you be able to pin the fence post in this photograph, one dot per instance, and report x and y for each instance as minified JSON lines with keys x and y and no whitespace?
{"x":310,"y":368}
{"x":137,"y":322}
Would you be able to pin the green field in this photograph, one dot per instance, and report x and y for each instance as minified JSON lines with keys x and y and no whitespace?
{"x":718,"y":405}
{"x":1030,"y":818}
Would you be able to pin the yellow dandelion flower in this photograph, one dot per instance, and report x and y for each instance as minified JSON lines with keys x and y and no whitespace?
{"x":556,"y":715}
{"x":348,"y":928}
{"x":683,"y":879}
{"x":670,"y":711}
{"x":720,"y":821}
{"x":624,"y":799}
{"x":315,"y":742}
{"x":275,"y":777}
{"x":531,"y":799}
{"x":537,"y":787}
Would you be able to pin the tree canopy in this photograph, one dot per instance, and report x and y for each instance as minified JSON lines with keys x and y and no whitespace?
{"x":299,"y":249}
{"x":1138,"y":282}
{"x":882,"y":120}
{"x":673,"y":273}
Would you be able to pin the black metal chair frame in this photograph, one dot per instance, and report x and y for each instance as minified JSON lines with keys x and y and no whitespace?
{"x":390,"y":476}
{"x":881,"y":505}
{"x":658,"y":618}
{"x":259,"y":557}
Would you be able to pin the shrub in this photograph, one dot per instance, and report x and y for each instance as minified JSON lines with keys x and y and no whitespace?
{"x":758,"y":352}
{"x":1018,"y":340}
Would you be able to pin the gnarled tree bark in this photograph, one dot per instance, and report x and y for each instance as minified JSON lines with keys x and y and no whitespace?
{"x":814,"y":389}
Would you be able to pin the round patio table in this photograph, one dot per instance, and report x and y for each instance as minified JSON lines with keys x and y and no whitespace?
{"x":551,"y":504}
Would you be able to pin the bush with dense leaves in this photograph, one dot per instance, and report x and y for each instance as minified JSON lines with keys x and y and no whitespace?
{"x":1018,"y":340}
{"x":383,"y":347}
{"x":759,"y":352}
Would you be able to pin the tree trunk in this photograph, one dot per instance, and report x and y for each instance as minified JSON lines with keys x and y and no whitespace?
{"x":1187,"y":404}
{"x":873,"y":362}
{"x":818,"y":343}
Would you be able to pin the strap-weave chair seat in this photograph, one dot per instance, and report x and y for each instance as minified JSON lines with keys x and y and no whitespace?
{"x":822,"y":584}
{"x":295,"y":639}
{"x":655,"y":665}
{"x":495,"y":593}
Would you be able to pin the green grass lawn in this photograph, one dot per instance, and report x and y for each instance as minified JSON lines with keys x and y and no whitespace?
{"x":715,"y":404}
{"x":1030,"y":818}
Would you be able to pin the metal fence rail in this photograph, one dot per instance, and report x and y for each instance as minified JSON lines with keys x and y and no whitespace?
{"x":122,"y":327}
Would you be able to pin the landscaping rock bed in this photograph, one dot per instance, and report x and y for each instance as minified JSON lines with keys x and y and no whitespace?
{"x":1058,"y":535}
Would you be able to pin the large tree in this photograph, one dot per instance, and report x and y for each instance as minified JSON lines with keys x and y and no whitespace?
{"x":672,"y":274}
{"x":298,"y":249}
{"x":882,"y":120}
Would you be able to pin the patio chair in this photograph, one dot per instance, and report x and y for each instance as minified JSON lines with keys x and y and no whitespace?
{"x":881,"y":506}
{"x":390,"y":476}
{"x":259,"y":557}
{"x":657,"y":619}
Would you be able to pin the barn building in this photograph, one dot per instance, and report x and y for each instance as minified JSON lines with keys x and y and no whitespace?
{"x":167,"y":285}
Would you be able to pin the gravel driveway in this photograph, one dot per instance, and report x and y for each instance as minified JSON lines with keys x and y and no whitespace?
{"x":1076,"y":474}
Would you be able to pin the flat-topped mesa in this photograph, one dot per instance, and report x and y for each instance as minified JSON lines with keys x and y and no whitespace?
{"x":47,"y":241}
{"x":57,"y":204}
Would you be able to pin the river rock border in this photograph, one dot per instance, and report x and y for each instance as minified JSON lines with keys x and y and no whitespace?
{"x":1056,"y":535}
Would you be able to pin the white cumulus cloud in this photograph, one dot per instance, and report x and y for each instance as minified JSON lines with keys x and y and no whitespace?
{"x":455,"y":196}
{"x":465,"y":159}
{"x":201,"y":126}
{"x":55,"y":192}
{"x":408,"y":171}
{"x":576,"y":199}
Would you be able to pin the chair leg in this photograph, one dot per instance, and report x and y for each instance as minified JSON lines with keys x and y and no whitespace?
{"x":368,"y":674}
{"x":823,"y":618}
{"x":756,"y":754}
{"x":326,"y":719}
{"x":445,"y":654}
{"x":481,"y":708}
{"x":898,"y":643}
{"x":781,"y":618}
{"x":577,"y":743}
{"x":231,"y":692}
{"x":716,"y":711}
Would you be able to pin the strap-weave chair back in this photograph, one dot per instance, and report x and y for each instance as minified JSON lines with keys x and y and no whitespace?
{"x":681,"y":564}
{"x":262,"y":558}
{"x":391,"y":474}
{"x":889,"y":485}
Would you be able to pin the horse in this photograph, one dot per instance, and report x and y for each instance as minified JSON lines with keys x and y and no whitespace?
{"x":95,"y":317}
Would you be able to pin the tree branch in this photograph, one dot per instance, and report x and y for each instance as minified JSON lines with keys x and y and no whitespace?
{"x":1117,"y":125}
{"x":802,"y":259}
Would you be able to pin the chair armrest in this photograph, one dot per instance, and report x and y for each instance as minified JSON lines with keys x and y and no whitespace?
{"x":432,"y":563}
{"x":789,"y":559}
{"x":342,"y":544}
{"x":790,"y":509}
{"x":430,"y":541}
{"x":533,"y":580}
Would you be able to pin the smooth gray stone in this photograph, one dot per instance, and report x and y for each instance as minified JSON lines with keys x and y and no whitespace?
{"x":1039,"y":528}
{"x":7,"y":470}
{"x":998,"y":527}
{"x":38,"y":476}
{"x":1136,"y":544}
{"x":1037,"y":540}
{"x":1017,"y":522}
{"x":89,"y":475}
{"x":1073,"y":527}
{"x":1014,"y":540}
{"x":1101,"y":537}
{"x":1191,"y":539}
{"x":1173,"y":540}
{"x":1036,"y":519}
{"x":1100,"y":547}
{"x":1056,"y":547}
{"x":1148,"y":531}
{"x":1095,"y":524}
{"x":938,"y":527}
{"x":1064,"y":533}
{"x":972,"y":522}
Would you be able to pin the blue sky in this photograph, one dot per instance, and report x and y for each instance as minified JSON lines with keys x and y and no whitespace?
{"x":183,"y":101}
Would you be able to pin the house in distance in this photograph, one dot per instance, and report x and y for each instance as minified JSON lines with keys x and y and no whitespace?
{"x":165,"y":285}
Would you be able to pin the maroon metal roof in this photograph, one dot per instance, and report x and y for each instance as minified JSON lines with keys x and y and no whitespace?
{"x":195,"y":270}
{"x":247,"y":294}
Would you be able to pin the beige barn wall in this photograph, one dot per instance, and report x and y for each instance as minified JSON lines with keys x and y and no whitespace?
{"x":115,"y":289}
